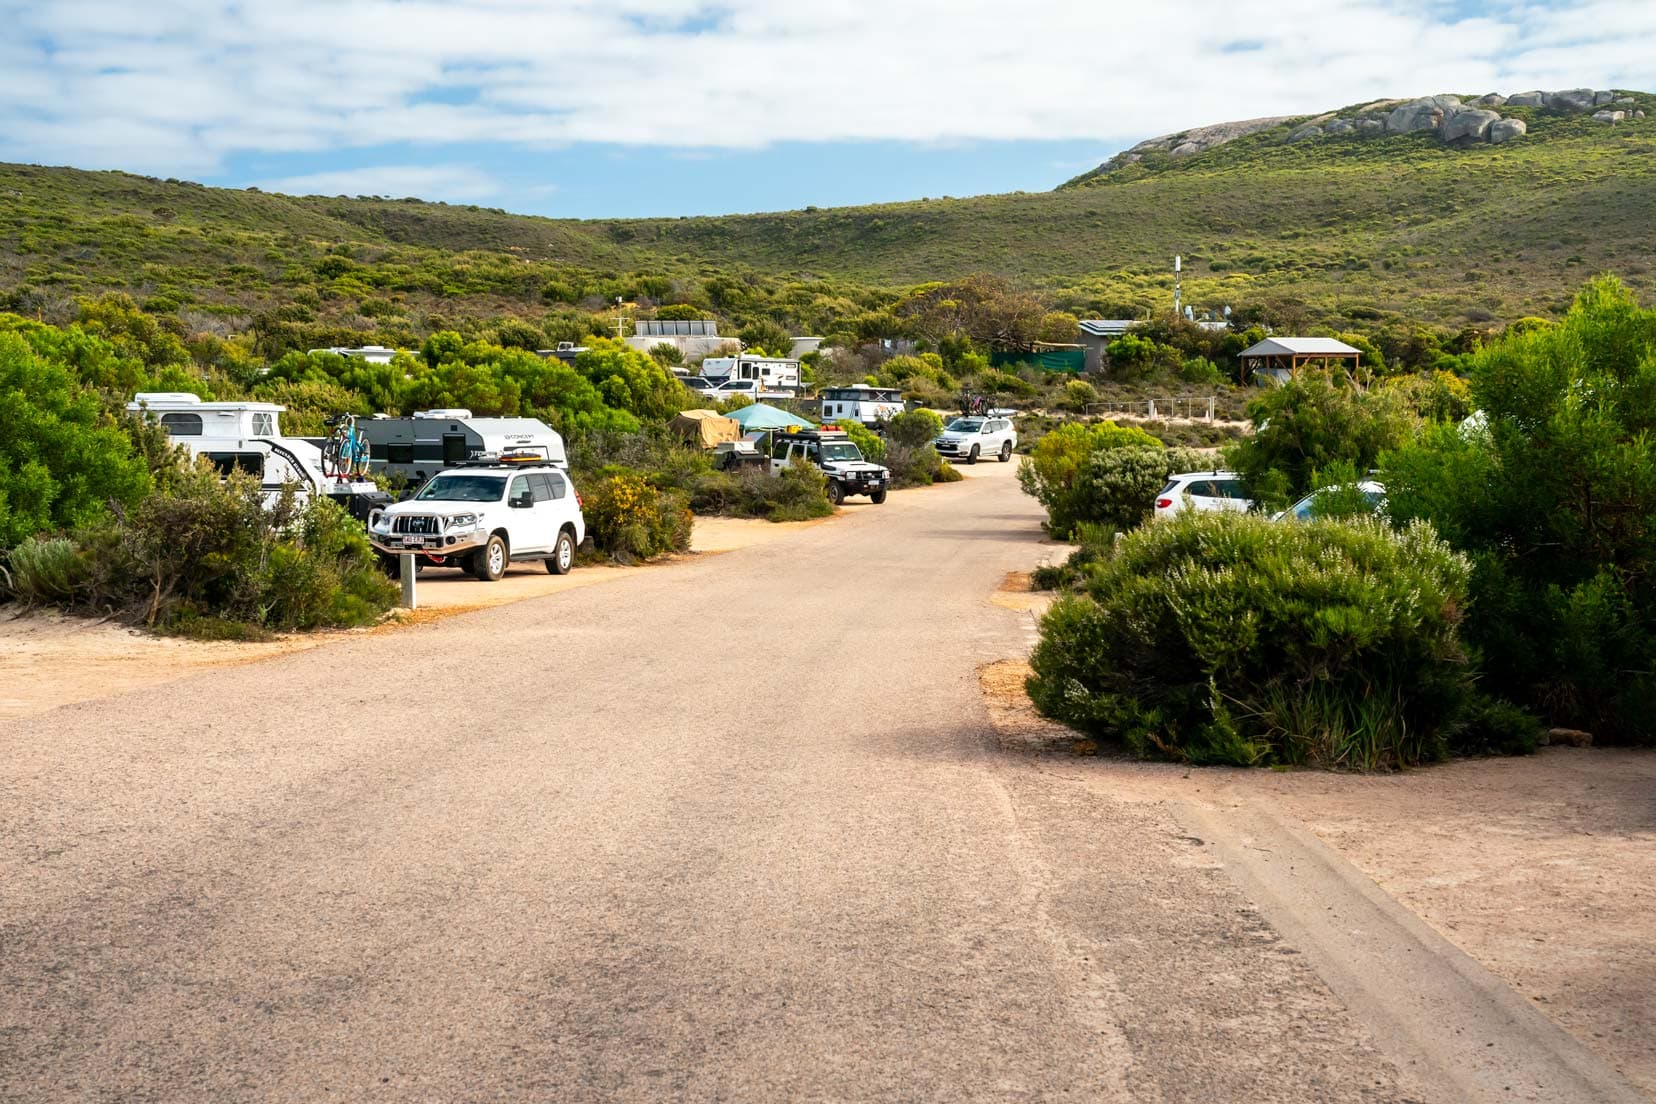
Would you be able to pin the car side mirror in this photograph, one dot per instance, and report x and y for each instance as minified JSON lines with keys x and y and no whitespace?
{"x":522,"y":502}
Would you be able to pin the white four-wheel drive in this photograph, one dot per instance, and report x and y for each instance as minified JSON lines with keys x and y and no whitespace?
{"x":484,"y":518}
{"x":977,"y":438}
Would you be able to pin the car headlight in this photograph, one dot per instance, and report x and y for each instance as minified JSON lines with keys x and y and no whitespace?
{"x":462,"y":521}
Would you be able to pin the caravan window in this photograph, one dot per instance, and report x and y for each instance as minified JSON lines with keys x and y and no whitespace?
{"x":182,"y":425}
{"x":228,"y":462}
{"x":264,"y":425}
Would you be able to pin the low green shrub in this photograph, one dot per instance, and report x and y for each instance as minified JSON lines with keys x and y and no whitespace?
{"x":1226,"y":638}
{"x":206,"y":555}
{"x":946,"y":473}
{"x":629,"y":518}
{"x":798,"y":493}
{"x":44,"y":570}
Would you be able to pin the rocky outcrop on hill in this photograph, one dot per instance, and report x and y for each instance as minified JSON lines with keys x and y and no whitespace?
{"x":1455,"y":122}
{"x":1187,"y":143}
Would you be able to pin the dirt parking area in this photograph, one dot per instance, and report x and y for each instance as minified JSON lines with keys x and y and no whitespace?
{"x":1543,"y":868}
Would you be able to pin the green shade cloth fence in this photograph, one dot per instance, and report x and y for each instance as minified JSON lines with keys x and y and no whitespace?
{"x":1052,"y":360}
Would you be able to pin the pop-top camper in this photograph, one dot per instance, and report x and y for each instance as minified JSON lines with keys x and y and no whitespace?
{"x":418,"y":448}
{"x":861,"y":403}
{"x":246,"y":436}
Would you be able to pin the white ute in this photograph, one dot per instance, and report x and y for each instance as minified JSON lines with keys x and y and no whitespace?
{"x":483,"y":518}
{"x":974,"y":437}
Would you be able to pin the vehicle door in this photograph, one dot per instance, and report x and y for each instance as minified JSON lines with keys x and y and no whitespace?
{"x":1232,"y":494}
{"x":779,"y":455}
{"x":566,"y":506}
{"x":524,"y":521}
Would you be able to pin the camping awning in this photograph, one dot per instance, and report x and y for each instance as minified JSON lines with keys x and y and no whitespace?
{"x":765,"y":416}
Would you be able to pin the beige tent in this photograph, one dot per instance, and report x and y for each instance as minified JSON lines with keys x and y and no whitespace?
{"x":705,"y":428}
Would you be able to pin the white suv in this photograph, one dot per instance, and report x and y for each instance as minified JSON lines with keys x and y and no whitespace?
{"x":1202,"y":491}
{"x":970,"y":438}
{"x":484,"y":518}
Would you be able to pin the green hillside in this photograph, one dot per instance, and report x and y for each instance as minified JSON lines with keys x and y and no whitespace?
{"x":1340,"y":229}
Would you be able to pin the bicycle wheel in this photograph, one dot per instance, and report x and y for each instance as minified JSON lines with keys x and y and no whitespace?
{"x":332,"y":457}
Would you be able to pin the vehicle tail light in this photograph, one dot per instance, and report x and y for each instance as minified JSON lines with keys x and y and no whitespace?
{"x":580,"y":503}
{"x":1163,"y":503}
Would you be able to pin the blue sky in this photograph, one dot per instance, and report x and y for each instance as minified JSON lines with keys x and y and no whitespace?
{"x":679,"y":107}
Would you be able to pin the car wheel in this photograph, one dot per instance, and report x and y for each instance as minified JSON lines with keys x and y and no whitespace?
{"x":489,"y":562}
{"x":391,"y":565}
{"x":836,"y":493}
{"x":563,"y":555}
{"x":971,"y":457}
{"x":878,"y":496}
{"x":1006,"y":451}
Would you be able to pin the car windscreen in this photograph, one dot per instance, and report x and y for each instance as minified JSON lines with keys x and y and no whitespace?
{"x":841,"y":450}
{"x":462,"y":488}
{"x":966,"y":425}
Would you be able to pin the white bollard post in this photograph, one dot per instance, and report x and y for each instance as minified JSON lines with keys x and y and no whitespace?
{"x":405,"y":571}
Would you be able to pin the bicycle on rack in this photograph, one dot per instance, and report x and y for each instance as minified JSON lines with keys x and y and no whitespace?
{"x":345,"y":455}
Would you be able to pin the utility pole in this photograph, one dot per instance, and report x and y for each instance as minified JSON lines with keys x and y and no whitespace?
{"x":1178,"y":263}
{"x":620,"y":320}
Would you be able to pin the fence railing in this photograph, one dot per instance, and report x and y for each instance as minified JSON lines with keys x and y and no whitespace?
{"x":1192,"y":408}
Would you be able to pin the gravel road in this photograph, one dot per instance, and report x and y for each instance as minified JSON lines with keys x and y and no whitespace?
{"x":733,"y":830}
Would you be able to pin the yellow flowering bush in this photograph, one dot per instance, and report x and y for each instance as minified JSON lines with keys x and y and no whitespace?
{"x":629,"y":518}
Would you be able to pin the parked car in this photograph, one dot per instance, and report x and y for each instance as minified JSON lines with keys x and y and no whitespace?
{"x":833,"y":451}
{"x":483,"y":518}
{"x":1305,"y":508}
{"x":1205,"y":491}
{"x":748,"y":388}
{"x":970,"y":438}
{"x":697,"y":383}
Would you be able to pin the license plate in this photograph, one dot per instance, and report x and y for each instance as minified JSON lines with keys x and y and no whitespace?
{"x":414,"y":542}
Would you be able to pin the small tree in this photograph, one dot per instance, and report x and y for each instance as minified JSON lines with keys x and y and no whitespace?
{"x":1552,"y":491}
{"x":1308,"y":423}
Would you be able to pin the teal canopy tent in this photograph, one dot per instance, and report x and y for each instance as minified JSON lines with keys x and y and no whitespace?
{"x":765,"y":416}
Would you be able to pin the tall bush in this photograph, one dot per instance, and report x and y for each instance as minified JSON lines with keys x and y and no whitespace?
{"x":1552,"y":492}
{"x":62,"y":460}
{"x":1054,"y":471}
{"x":1227,"y":638}
{"x":1308,"y":423}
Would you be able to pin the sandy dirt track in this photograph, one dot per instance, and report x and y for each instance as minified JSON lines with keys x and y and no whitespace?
{"x":560,"y":849}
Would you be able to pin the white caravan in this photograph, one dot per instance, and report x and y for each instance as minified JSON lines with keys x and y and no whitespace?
{"x":771,"y":373}
{"x":419,"y":447}
{"x":246,"y":436}
{"x":861,"y":403}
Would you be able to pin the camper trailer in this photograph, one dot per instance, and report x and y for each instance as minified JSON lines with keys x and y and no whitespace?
{"x":246,"y":436}
{"x":773,"y":374}
{"x":419,"y":447}
{"x":861,"y":403}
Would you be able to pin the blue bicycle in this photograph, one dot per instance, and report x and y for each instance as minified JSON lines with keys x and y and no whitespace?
{"x":345,"y":456}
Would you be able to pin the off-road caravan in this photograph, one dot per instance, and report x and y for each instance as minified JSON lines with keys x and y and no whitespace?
{"x":773,"y":374}
{"x":871,"y":406}
{"x":246,"y":436}
{"x":418,"y":448}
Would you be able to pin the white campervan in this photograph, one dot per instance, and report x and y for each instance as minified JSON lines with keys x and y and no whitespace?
{"x":246,"y":436}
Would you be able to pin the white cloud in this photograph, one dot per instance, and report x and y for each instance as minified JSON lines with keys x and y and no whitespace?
{"x":459,"y":183}
{"x":176,"y":86}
